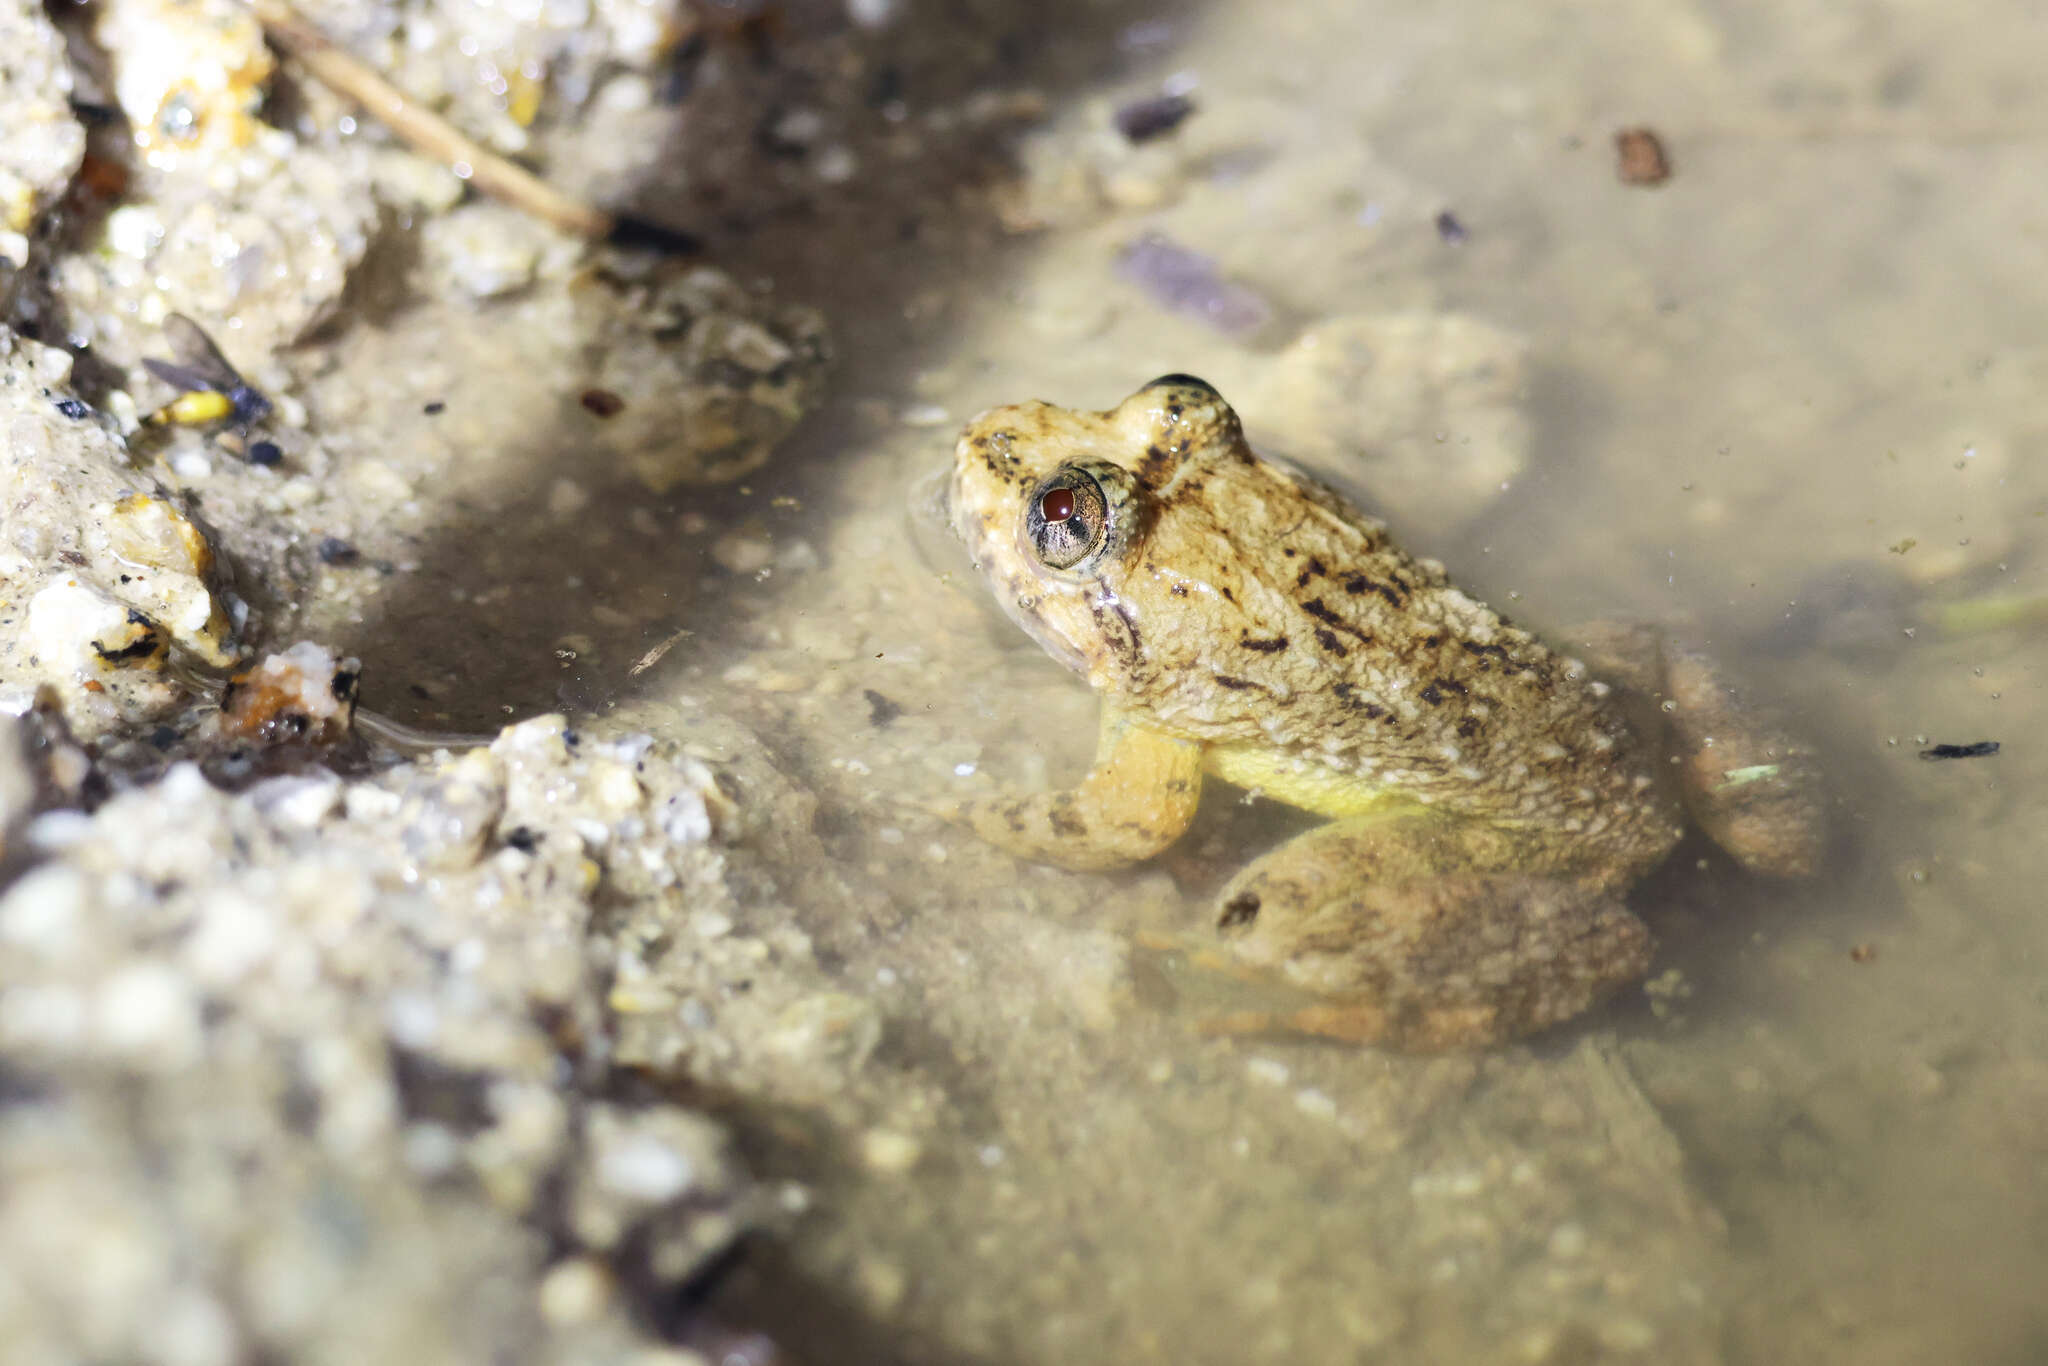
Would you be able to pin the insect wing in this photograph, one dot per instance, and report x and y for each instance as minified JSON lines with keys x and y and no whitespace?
{"x":198,"y":356}
{"x":180,"y":377}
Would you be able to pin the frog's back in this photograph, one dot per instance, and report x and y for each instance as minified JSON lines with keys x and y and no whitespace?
{"x":1330,"y":669}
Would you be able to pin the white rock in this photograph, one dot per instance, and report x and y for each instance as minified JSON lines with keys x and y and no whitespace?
{"x":147,"y":1014}
{"x":642,"y":1168}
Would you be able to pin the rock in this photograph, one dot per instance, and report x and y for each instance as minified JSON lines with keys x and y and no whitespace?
{"x":44,"y":143}
{"x":705,"y":377}
{"x":1421,"y":413}
{"x":111,"y":571}
{"x":268,"y":1087}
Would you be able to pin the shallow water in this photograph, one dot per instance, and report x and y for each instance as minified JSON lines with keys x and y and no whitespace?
{"x":1819,"y":1135}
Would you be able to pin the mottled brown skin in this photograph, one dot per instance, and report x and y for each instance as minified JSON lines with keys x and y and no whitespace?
{"x":1488,"y":798}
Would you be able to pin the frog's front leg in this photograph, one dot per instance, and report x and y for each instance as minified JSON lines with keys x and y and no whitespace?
{"x":1137,"y":798}
{"x":1422,"y":932}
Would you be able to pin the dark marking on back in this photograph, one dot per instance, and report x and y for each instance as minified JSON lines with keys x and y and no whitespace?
{"x":1490,"y":654}
{"x":1241,"y":909}
{"x":1359,"y":583}
{"x":1060,"y":816}
{"x":1347,"y":693}
{"x":1234,"y":684}
{"x":1264,"y":647}
{"x":1327,"y":638}
{"x":1433,"y":692}
{"x":1315,"y":608}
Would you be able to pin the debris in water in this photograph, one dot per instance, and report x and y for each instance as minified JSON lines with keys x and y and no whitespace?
{"x":881,"y":710}
{"x":1143,"y":120}
{"x":602,"y":403}
{"x":1450,"y":229}
{"x":1641,"y":157}
{"x":335,"y":551}
{"x":1982,"y":749}
{"x":1188,"y":282}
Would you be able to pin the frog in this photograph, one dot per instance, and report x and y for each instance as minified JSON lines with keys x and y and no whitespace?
{"x":1481,"y":800}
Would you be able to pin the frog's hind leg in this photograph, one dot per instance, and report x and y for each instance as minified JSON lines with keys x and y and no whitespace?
{"x":1746,"y":779}
{"x":1138,"y":798}
{"x":1422,"y":933}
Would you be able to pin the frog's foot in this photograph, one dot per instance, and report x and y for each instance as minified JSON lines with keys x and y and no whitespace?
{"x":1136,"y":800}
{"x":1747,"y":780}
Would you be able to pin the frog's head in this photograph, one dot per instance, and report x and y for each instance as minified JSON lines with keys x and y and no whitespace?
{"x":1053,"y":504}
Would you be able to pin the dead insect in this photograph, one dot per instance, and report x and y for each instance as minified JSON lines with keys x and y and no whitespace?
{"x":211,"y":391}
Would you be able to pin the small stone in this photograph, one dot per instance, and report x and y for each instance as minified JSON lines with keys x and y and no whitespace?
{"x":147,"y":1013}
{"x":926,"y":415}
{"x":566,"y":498}
{"x":889,"y":1152}
{"x":831,"y":1026}
{"x":44,"y":912}
{"x":1568,"y":1241}
{"x":1269,"y":1071}
{"x":882,"y":1284}
{"x":1640,"y":157}
{"x":575,"y":1291}
{"x":741,"y":553}
{"x":644,"y":1169}
{"x":1314,"y":1103}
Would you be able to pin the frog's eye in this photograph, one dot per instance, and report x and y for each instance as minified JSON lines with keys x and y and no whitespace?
{"x":1178,"y":381}
{"x":1066,"y":519}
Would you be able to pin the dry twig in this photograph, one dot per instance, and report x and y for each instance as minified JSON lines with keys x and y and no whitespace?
{"x":424,"y":130}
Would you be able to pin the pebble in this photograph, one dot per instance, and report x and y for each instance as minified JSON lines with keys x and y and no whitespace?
{"x":889,"y":1152}
{"x":575,"y":1291}
{"x":926,"y":415}
{"x":743,"y":553}
{"x":146,"y":1013}
{"x":882,"y":1284}
{"x":42,"y":911}
{"x":1568,"y":1241}
{"x":1315,"y":1103}
{"x":644,"y":1169}
{"x":1270,"y":1071}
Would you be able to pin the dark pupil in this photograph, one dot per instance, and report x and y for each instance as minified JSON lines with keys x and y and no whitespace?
{"x":1057,"y":505}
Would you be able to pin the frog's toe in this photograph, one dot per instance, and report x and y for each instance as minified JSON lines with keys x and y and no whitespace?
{"x":1458,"y":961}
{"x":1751,"y":784}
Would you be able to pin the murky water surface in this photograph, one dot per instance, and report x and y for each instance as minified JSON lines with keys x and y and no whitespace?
{"x":1795,"y":394}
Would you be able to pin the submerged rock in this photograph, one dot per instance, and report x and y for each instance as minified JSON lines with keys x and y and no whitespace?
{"x":700,"y":377}
{"x":1425,"y":414}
